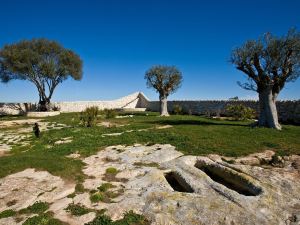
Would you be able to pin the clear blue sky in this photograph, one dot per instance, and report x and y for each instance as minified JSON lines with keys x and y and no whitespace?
{"x":118,"y":40}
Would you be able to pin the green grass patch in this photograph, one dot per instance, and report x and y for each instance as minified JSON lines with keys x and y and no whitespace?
{"x":37,"y":208}
{"x":7,"y":213}
{"x":43,"y":219}
{"x":104,"y":187}
{"x":97,"y":197}
{"x":112,"y":170}
{"x":77,"y":209}
{"x":193,"y":135}
{"x":130,"y":218}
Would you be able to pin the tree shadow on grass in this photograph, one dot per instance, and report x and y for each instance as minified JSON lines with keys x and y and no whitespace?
{"x":197,"y":122}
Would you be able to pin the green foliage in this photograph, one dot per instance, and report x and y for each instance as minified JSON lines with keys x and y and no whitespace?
{"x":164,"y":79}
{"x":101,"y":220}
{"x":133,"y":219}
{"x":97,"y":197}
{"x":111,"y":170}
{"x":194,"y":135}
{"x":240,"y":112}
{"x":79,"y":188}
{"x":77,"y":210}
{"x":130,"y":218}
{"x":37,"y":208}
{"x":44,"y":63}
{"x":269,"y":62}
{"x":44,"y":219}
{"x":7,"y":213}
{"x":88,"y":117}
{"x":105,"y":186}
{"x":110,"y":113}
{"x":177,"y":110}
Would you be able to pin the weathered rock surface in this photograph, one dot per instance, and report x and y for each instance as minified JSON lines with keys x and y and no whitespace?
{"x":169,"y":188}
{"x":253,"y":195}
{"x":29,"y":186}
{"x":18,"y":132}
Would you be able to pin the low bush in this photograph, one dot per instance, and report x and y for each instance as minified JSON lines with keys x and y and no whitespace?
{"x":88,"y":117}
{"x":240,"y":112}
{"x":109,"y":113}
{"x":177,"y":110}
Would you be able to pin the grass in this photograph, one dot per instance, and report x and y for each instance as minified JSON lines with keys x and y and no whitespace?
{"x":43,"y":219}
{"x":77,"y":210}
{"x":193,"y":135}
{"x":7,"y":213}
{"x":130,"y":218}
{"x":37,"y":208}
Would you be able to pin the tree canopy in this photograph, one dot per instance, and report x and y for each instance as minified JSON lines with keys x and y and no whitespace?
{"x":269,"y":61}
{"x":43,"y":62}
{"x":164,"y":79}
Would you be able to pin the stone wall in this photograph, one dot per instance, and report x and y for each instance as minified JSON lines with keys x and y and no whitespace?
{"x":288,"y":111}
{"x":135,"y":100}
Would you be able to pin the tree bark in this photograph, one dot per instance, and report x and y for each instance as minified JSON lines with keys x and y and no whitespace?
{"x":268,"y":116}
{"x":163,"y":105}
{"x":44,"y":105}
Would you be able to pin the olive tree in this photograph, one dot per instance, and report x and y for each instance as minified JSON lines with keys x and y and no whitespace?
{"x":165,"y":80}
{"x":42,"y":62}
{"x":269,"y":63}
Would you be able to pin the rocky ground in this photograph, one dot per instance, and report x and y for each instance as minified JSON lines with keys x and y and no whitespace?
{"x":167,"y":187}
{"x":19,"y":132}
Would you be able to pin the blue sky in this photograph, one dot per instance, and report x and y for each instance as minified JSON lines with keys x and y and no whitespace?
{"x":118,"y":40}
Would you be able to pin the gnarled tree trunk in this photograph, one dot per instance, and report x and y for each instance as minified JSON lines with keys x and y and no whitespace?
{"x":268,"y":116}
{"x":44,"y":105}
{"x":163,"y":105}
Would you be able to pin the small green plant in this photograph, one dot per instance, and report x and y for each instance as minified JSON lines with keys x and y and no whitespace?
{"x":79,"y":188}
{"x":97,"y":197}
{"x":37,"y":208}
{"x":44,"y":219}
{"x":240,"y":112}
{"x":104,"y":187}
{"x":7,"y":213}
{"x":88,"y":116}
{"x":130,"y":218}
{"x":110,"y":113}
{"x":111,"y":170}
{"x":101,"y":220}
{"x":77,"y":210}
{"x":177,"y":110}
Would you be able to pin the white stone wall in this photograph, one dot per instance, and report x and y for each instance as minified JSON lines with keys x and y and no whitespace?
{"x":288,"y":111}
{"x":134,"y":100}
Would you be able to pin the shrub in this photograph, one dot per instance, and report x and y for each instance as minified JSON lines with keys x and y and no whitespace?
{"x":110,"y":113}
{"x":89,"y":116}
{"x":177,"y":110}
{"x":240,"y":112}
